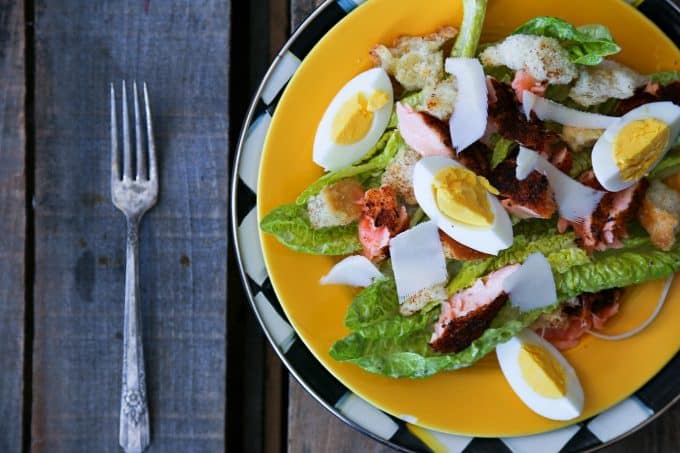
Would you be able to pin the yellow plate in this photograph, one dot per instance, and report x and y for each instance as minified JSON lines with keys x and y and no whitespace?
{"x":475,"y":401}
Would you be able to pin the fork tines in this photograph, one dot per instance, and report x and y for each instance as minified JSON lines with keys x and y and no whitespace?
{"x":134,"y":167}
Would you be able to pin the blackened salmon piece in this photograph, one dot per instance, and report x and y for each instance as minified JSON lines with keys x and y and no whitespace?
{"x":459,"y":333}
{"x":640,"y":97}
{"x":601,"y":300}
{"x":382,"y":218}
{"x":530,"y":197}
{"x":476,"y":158}
{"x":652,"y":92}
{"x":563,"y":160}
{"x":382,"y":206}
{"x":670,"y":92}
{"x":532,"y":133}
{"x":606,"y":226}
{"x":426,"y":134}
{"x":468,"y":313}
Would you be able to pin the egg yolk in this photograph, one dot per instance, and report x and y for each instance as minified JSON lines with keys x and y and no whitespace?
{"x":542,"y":372}
{"x":461,"y":195}
{"x":639,"y":145}
{"x":355,"y":118}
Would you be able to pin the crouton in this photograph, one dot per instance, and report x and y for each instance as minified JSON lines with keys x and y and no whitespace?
{"x":399,"y":174}
{"x":660,"y":214}
{"x":438,"y":100}
{"x":337,"y":204}
{"x":422,"y":298}
{"x":580,"y":139}
{"x":415,"y":61}
{"x":607,"y":80}
{"x":541,"y":57}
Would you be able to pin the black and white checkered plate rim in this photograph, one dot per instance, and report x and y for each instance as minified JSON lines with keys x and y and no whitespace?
{"x":400,"y":432}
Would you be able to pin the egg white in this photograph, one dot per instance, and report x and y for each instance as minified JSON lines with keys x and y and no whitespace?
{"x":491,"y":239}
{"x":604,"y":163}
{"x":334,"y":156}
{"x":565,"y":408}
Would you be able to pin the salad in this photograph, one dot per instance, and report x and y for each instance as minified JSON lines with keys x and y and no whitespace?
{"x":492,"y":197}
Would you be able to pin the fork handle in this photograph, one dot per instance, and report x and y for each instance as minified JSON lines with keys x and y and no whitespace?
{"x":134,"y":413}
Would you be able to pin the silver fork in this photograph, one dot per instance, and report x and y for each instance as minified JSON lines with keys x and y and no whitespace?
{"x":133,"y":194}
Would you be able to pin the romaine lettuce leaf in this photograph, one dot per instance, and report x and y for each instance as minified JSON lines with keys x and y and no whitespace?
{"x":470,"y":29}
{"x":290,"y":225}
{"x":522,"y":247}
{"x":669,"y":165}
{"x":382,"y":153}
{"x":411,"y":356}
{"x":500,"y":73}
{"x":587,"y":45}
{"x":502,"y":148}
{"x":617,"y":270}
{"x":666,"y":77}
{"x":581,"y":162}
{"x":374,"y":313}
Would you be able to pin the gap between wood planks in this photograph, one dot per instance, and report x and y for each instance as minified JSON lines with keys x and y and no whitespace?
{"x":257,"y":382}
{"x":29,"y":244}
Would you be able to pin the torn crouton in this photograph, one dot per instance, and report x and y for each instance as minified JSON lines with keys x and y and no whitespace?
{"x":337,"y":204}
{"x":543,"y":58}
{"x":606,"y":80}
{"x":399,"y":174}
{"x":579,"y":138}
{"x":660,"y":214}
{"x":415,"y":61}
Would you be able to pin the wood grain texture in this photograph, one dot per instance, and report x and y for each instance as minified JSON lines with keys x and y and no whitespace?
{"x":311,"y":428}
{"x":662,"y":435}
{"x":12,"y":223}
{"x":181,"y":49}
{"x":300,"y":9}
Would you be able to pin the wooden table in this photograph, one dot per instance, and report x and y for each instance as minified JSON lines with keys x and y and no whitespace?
{"x":61,"y":240}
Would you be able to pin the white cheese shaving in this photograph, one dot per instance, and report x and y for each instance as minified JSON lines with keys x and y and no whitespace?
{"x":418,"y":260}
{"x":547,"y":110}
{"x":353,"y":271}
{"x":532,"y":286}
{"x":469,"y":118}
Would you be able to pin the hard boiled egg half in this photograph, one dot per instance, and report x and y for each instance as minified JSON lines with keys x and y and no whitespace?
{"x":462,"y":204}
{"x":354,"y":121}
{"x":631,"y":147}
{"x":541,"y":376}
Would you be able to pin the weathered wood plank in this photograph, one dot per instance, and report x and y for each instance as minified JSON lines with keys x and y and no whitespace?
{"x":12,"y":223}
{"x":312,"y":428}
{"x":300,"y":9}
{"x":661,"y":436}
{"x":181,"y":49}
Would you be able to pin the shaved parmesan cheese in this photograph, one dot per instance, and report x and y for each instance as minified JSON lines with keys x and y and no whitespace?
{"x":469,"y":118}
{"x":575,"y":200}
{"x":418,"y":260}
{"x":547,"y":110}
{"x":353,"y":271}
{"x":532,"y":286}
